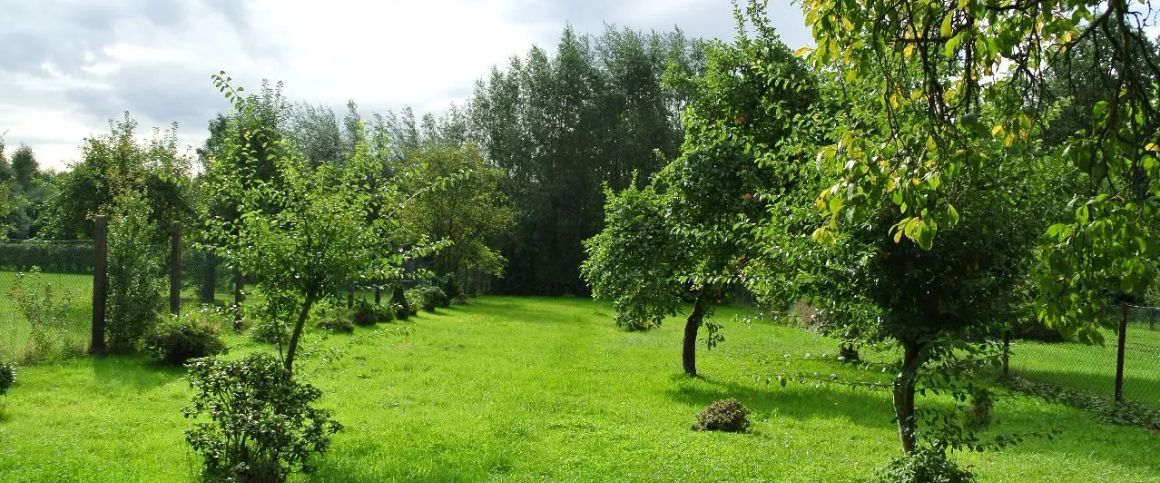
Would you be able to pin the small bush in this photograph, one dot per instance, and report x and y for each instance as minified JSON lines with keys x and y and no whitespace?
{"x":727,"y":415}
{"x":335,"y":320}
{"x":848,"y":353}
{"x":268,"y":331}
{"x":926,"y":465}
{"x":180,"y":339}
{"x":978,"y":416}
{"x":429,"y":297}
{"x":255,"y":423}
{"x":369,"y":313}
{"x":400,"y":303}
{"x":449,"y":284}
{"x":7,"y":377}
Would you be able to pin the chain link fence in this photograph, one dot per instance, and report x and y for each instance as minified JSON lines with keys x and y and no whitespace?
{"x":1092,"y":368}
{"x":46,"y":305}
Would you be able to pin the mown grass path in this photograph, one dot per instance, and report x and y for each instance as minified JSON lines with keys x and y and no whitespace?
{"x":531,"y":389}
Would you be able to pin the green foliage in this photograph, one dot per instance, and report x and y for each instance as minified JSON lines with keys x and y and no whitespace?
{"x":471,"y":213}
{"x":45,"y":309}
{"x":561,"y":122}
{"x":337,"y":320}
{"x":399,"y":301}
{"x":924,"y":466}
{"x":369,"y":313}
{"x":979,"y":414}
{"x":178,"y":339}
{"x":135,"y":281}
{"x":632,"y":262}
{"x":7,"y":376}
{"x":948,"y":85}
{"x":277,"y":235}
{"x":55,"y":257}
{"x":727,"y":415}
{"x":118,"y":163}
{"x":254,"y":422}
{"x":429,"y":297}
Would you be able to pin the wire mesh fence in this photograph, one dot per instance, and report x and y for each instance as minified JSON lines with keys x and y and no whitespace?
{"x":46,"y":305}
{"x":1092,"y":368}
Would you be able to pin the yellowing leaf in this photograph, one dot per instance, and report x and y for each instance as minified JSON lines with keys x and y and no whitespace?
{"x":802,"y":52}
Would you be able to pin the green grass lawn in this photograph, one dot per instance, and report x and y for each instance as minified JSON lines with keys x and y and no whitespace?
{"x":536,"y":389}
{"x":1092,"y":369}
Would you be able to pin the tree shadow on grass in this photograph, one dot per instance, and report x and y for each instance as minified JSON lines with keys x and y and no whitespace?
{"x":860,"y":407}
{"x":1140,"y":390}
{"x":132,"y":371}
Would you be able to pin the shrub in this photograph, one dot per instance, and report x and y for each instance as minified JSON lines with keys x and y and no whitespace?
{"x":978,"y":416}
{"x":261,"y":425}
{"x":7,"y":376}
{"x":369,"y":313}
{"x":268,"y":331}
{"x":336,"y":320}
{"x":449,"y":284}
{"x":925,"y":465}
{"x":134,"y":274}
{"x":46,"y":312}
{"x":400,"y":303}
{"x":429,"y":297}
{"x":727,"y":415}
{"x":181,"y":338}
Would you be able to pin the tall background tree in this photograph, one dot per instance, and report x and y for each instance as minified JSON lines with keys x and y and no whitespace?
{"x":561,"y":124}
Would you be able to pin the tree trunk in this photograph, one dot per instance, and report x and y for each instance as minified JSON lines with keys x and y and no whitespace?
{"x":292,"y":347}
{"x":208,"y":279}
{"x":904,"y":395}
{"x":692,"y":324}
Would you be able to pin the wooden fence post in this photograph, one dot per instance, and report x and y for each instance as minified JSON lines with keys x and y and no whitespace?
{"x":175,"y":270}
{"x":100,"y":270}
{"x":1120,"y":351}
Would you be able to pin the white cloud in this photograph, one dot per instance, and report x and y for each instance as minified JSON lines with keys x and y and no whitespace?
{"x":63,"y":75}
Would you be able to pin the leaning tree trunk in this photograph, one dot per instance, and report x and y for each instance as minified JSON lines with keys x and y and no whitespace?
{"x":292,"y":346}
{"x":904,"y":385}
{"x":692,"y":324}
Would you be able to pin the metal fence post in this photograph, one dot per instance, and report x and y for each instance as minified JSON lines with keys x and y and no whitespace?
{"x":100,"y":270}
{"x":1120,"y":351}
{"x":175,"y":270}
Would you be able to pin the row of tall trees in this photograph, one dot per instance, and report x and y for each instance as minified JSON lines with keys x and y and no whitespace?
{"x":562,"y":124}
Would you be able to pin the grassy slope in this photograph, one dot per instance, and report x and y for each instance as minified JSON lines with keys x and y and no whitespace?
{"x":519,"y":389}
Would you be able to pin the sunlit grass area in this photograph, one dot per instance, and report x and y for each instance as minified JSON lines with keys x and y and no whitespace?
{"x":538,"y":389}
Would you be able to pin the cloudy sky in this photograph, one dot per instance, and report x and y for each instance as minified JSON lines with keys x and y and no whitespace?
{"x":68,"y":66}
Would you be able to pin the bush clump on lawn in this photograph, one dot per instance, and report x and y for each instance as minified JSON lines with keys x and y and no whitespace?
{"x":925,"y":465}
{"x":727,"y":415}
{"x":181,"y":338}
{"x":368,"y":313}
{"x":337,"y":321}
{"x":399,"y":302}
{"x":255,"y":423}
{"x":7,"y":376}
{"x":429,"y":297}
{"x":978,"y":416}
